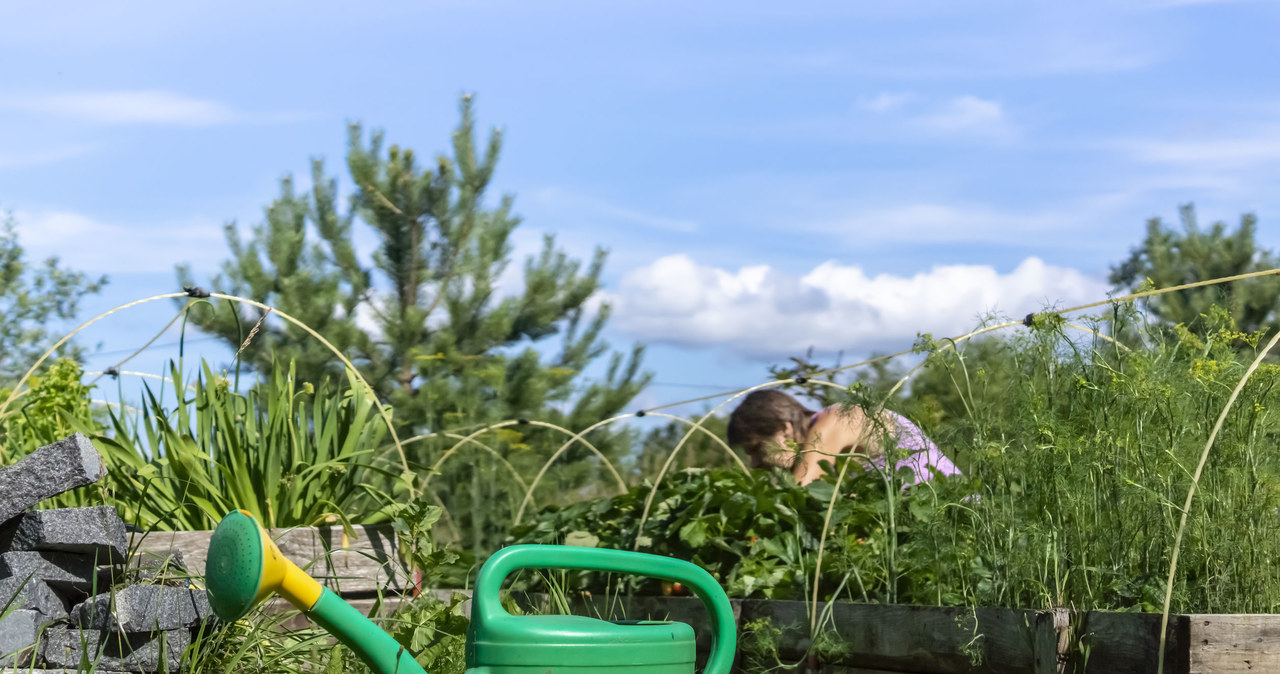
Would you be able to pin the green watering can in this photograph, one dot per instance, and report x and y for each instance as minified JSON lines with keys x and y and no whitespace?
{"x":244,"y":567}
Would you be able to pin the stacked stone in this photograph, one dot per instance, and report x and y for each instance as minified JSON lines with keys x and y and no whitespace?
{"x":59,"y":568}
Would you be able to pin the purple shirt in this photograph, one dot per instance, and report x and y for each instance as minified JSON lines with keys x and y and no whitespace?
{"x":915,"y":451}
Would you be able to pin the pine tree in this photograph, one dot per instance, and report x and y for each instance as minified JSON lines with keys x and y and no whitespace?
{"x":423,"y":318}
{"x":1167,"y":258}
{"x":300,"y":259}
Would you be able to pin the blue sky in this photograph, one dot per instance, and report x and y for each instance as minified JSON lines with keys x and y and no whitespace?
{"x":767,"y":176}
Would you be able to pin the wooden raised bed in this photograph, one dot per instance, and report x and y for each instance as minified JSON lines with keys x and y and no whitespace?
{"x":355,"y":567}
{"x":876,"y":638}
{"x":965,"y":640}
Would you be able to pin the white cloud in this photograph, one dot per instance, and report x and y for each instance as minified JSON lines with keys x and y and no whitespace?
{"x":966,"y":113}
{"x":126,"y":107}
{"x":86,"y":244}
{"x":759,"y":311}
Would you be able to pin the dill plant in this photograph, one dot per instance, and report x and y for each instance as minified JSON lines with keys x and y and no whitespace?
{"x":1082,"y":455}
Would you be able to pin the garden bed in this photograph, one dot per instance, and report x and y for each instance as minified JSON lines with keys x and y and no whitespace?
{"x":869,"y":637}
{"x":966,"y":640}
{"x":361,"y":566}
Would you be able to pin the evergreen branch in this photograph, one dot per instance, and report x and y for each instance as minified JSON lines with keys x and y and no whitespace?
{"x":385,"y":201}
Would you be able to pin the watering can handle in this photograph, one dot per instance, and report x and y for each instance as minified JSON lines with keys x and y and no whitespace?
{"x":486,"y":606}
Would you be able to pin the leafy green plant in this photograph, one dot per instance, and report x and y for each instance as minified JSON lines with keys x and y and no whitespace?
{"x":54,"y":405}
{"x":757,"y":533}
{"x":434,"y":631}
{"x":290,"y":454}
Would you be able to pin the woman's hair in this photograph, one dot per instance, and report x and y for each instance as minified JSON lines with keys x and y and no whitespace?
{"x":760,"y":417}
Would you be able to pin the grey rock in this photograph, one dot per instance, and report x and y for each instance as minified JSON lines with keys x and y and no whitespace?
{"x":143,"y":608}
{"x":95,"y":532}
{"x":63,"y":571}
{"x":165,"y":567}
{"x":32,"y":594}
{"x":62,"y":466}
{"x":73,"y":648}
{"x":20,"y":642}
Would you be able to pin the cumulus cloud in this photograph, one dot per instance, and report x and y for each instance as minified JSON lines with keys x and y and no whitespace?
{"x":759,"y":311}
{"x":126,"y":107}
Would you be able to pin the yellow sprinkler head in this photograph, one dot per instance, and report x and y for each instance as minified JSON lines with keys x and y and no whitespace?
{"x":245,"y":567}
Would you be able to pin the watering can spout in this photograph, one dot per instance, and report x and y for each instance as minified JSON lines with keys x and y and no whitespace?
{"x":245,"y":567}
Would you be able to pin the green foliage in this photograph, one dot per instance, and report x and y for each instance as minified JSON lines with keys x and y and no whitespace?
{"x":290,"y":454}
{"x":32,"y":301}
{"x":434,"y":631}
{"x":1167,"y":258}
{"x":264,"y":645}
{"x":757,"y":533}
{"x":1080,"y":479}
{"x":54,"y":405}
{"x":761,"y":639}
{"x":437,"y":339}
{"x":413,"y":522}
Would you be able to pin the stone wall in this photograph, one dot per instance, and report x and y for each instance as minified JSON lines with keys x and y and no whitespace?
{"x":71,"y":595}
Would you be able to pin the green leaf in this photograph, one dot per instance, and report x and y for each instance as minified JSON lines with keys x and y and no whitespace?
{"x":694,"y":533}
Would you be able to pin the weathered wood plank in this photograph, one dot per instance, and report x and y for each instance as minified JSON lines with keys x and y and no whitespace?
{"x":943,"y":640}
{"x":1128,"y":643}
{"x":1234,"y":643}
{"x":923,"y":639}
{"x":916,"y":639}
{"x":361,"y":565}
{"x":1052,"y":641}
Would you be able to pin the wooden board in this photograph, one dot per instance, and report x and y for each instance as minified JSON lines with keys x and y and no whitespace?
{"x":1234,"y":643}
{"x":1128,"y":643}
{"x":921,"y":639}
{"x":912,"y":639}
{"x":359,"y":566}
